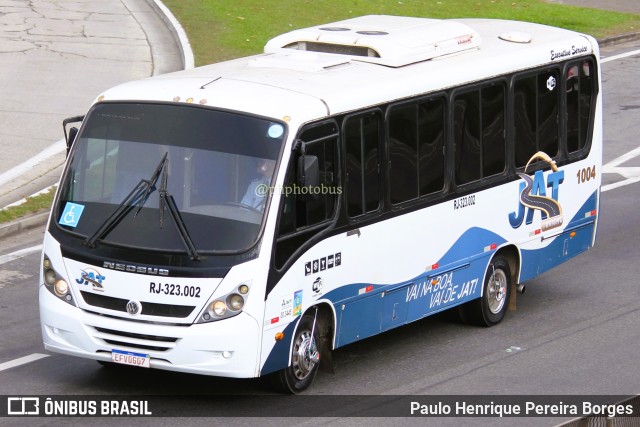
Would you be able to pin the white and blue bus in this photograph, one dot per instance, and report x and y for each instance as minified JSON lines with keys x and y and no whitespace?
{"x":246,"y":218}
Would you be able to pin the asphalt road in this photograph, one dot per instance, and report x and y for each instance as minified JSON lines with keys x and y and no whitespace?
{"x":575,"y":331}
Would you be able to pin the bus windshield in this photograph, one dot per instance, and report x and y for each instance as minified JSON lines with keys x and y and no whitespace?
{"x":141,"y":171}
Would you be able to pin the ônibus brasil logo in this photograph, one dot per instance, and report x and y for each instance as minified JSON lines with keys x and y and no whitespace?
{"x":533,"y":196}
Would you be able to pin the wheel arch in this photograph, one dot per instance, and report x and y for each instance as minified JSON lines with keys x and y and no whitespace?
{"x":326,"y":320}
{"x":512,"y":254}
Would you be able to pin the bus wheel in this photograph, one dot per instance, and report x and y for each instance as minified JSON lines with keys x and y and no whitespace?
{"x":305,"y":359}
{"x":490,"y":309}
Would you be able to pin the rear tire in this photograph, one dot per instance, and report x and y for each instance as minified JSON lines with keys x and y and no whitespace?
{"x":305,"y":360}
{"x":491,"y":308}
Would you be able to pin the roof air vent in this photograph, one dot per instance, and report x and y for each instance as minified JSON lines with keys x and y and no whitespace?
{"x":515,"y":37}
{"x":334,"y":48}
{"x":394,"y":41}
{"x":373,"y":33}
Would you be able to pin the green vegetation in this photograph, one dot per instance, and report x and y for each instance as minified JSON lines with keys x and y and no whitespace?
{"x":225,"y":29}
{"x":41,"y":202}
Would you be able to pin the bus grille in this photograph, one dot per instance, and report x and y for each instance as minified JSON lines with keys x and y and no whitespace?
{"x":139,"y":341}
{"x":148,"y":308}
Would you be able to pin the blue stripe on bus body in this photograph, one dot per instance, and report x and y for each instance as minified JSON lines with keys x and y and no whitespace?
{"x":466,"y":249}
{"x":456,"y":280}
{"x":279,"y":356}
{"x":564,"y":246}
{"x":462,"y":267}
{"x":391,"y":305}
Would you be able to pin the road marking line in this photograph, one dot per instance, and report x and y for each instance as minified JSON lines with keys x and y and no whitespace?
{"x":22,"y":361}
{"x":624,"y":158}
{"x":22,"y":168}
{"x":631,"y":173}
{"x":19,"y":254}
{"x":620,"y":184}
{"x":620,"y":56}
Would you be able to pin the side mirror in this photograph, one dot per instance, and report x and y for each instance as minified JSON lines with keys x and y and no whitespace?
{"x":73,"y":132}
{"x":308,"y":174}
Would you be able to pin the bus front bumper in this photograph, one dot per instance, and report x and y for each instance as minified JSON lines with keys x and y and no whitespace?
{"x":226,"y":348}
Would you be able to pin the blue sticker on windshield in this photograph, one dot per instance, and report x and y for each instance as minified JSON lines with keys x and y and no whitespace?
{"x":71,"y":214}
{"x":275,"y":130}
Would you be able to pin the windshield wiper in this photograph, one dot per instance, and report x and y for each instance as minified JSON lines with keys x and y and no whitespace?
{"x":138,"y":195}
{"x":167,"y":201}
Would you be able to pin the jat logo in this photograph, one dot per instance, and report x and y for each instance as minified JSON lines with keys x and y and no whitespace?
{"x":533,"y":196}
{"x":91,"y":276}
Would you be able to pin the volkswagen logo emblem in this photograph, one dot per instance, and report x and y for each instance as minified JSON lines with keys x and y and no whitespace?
{"x":134,"y":307}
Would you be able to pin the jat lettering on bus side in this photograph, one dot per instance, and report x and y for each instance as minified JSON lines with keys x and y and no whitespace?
{"x":553,"y":180}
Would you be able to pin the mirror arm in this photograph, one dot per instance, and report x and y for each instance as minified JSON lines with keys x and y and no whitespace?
{"x":67,"y":136}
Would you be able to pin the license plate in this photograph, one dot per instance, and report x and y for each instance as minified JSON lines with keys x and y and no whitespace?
{"x":130,"y":358}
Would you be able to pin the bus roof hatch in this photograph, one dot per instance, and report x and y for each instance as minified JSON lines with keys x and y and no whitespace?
{"x":393,"y":41}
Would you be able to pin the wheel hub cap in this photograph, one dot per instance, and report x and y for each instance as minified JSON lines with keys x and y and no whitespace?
{"x":305,"y":355}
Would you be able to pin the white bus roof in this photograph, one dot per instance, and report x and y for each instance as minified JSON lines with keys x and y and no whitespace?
{"x":343,"y":66}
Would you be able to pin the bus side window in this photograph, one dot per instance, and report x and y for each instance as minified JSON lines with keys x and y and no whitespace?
{"x":579,"y":97}
{"x":303,"y":210}
{"x":479,"y":133}
{"x":536,"y":115}
{"x":403,"y":153}
{"x":431,"y":159}
{"x":362,"y":141}
{"x":416,"y":149}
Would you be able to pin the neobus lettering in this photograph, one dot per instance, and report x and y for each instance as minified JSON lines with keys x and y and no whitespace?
{"x":135,"y":268}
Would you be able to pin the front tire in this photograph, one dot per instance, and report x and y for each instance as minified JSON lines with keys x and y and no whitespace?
{"x":491,"y":308}
{"x":305,"y":359}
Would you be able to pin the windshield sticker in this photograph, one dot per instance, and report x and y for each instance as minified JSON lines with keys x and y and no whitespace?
{"x":275,"y":131}
{"x":71,"y":214}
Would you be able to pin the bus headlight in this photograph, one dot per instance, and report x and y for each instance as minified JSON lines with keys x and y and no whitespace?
{"x":236,"y":302}
{"x":54,"y":283}
{"x":223,"y":307}
{"x":61,"y":288}
{"x":219,"y":308}
{"x":50,"y":277}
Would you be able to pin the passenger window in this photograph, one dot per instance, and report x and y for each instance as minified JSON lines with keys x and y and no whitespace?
{"x":479,"y":133}
{"x":362,"y":142}
{"x":416,"y":153}
{"x":536,"y":115}
{"x":579,"y":96}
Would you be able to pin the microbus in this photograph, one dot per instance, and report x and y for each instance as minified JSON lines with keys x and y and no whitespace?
{"x":246,"y":218}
